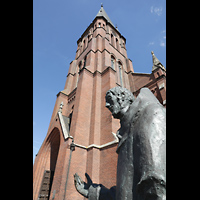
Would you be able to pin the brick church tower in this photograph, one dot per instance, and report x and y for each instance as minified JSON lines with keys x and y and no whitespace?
{"x":82,"y":132}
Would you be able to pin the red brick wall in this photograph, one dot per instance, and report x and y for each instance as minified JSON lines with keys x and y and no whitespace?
{"x":92,"y":122}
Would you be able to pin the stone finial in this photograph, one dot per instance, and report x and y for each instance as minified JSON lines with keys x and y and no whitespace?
{"x":60,"y":108}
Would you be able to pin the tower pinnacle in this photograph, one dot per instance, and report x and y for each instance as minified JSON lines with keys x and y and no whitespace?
{"x":102,"y":13}
{"x":156,"y":63}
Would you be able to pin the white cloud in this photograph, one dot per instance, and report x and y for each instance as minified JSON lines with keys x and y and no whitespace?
{"x":151,"y":9}
{"x":162,"y":44}
{"x":151,"y":43}
{"x":156,"y":10}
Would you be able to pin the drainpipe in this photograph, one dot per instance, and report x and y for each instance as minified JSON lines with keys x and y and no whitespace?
{"x":72,"y":148}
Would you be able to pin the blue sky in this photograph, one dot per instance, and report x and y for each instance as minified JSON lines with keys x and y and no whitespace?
{"x":58,"y":24}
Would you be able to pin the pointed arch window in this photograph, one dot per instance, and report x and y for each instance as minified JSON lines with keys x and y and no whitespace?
{"x":120,"y":73}
{"x":112,"y":39}
{"x":70,"y":117}
{"x":78,"y":72}
{"x":53,"y":146}
{"x":85,"y":59}
{"x":79,"y":66}
{"x":117,"y":44}
{"x":84,"y":44}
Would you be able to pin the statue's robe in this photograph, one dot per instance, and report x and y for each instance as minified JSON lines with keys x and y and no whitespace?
{"x":141,"y":168}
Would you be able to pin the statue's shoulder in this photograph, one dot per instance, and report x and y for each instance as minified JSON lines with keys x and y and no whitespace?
{"x":147,"y":102}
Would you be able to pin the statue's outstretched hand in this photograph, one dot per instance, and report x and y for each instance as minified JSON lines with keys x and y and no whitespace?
{"x":81,"y":186}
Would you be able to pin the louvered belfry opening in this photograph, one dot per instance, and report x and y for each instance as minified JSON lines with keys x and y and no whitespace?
{"x":47,"y":181}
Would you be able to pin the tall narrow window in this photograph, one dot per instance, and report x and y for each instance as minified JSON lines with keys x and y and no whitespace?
{"x":89,"y":36}
{"x":78,"y":72}
{"x":70,"y":117}
{"x":85,"y":59}
{"x":79,"y":66}
{"x":112,"y":39}
{"x":120,"y":73}
{"x":46,"y":185}
{"x":117,"y":44}
{"x":84,"y":44}
{"x":112,"y":62}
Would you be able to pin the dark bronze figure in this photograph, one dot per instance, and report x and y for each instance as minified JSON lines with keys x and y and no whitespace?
{"x":141,"y":168}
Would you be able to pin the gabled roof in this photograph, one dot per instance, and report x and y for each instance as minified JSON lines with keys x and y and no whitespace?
{"x":102,"y":13}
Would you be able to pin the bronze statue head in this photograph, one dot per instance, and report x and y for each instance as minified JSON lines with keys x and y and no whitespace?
{"x":118,"y":101}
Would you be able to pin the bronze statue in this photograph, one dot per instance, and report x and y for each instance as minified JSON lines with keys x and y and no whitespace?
{"x":141,"y":168}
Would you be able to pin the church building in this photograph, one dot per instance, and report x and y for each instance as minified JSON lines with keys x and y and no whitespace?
{"x":81,"y":137}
